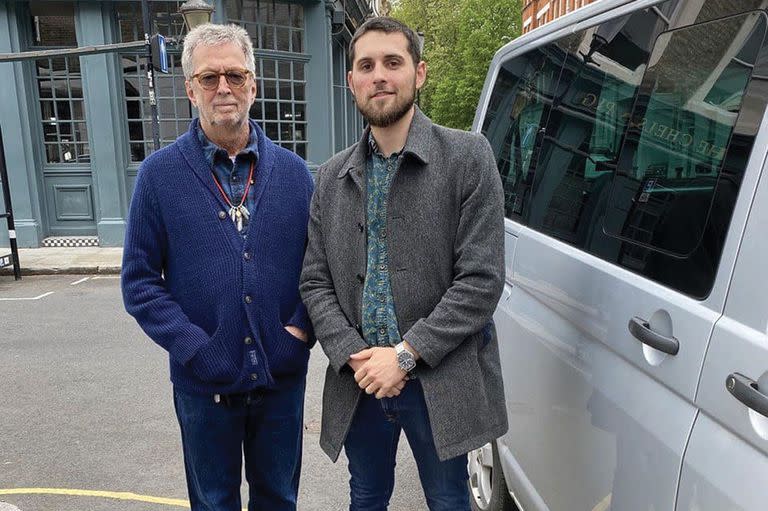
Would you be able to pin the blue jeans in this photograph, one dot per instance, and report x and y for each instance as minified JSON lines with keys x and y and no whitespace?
{"x":371,"y":447}
{"x":265,"y":427}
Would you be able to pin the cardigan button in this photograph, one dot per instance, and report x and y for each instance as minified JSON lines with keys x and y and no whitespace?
{"x":247,"y":340}
{"x":222,"y":215}
{"x":254,"y":376}
{"x":248,"y":299}
{"x":247,"y":256}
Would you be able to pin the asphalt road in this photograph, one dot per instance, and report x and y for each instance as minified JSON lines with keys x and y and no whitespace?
{"x":86,"y":415}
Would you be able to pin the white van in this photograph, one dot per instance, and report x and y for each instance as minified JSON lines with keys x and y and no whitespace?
{"x":631,"y":138}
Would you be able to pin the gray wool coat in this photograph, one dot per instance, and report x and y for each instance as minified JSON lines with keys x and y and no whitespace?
{"x":445,"y":241}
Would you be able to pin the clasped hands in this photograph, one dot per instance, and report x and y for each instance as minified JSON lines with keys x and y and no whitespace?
{"x":377,"y":372}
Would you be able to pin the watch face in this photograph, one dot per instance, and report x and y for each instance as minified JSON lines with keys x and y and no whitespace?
{"x":405,"y":361}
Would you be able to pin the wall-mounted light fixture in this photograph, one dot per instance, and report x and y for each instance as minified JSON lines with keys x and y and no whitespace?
{"x":195,"y":13}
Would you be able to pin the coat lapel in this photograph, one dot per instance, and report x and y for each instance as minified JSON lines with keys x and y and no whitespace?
{"x":419,"y":137}
{"x":354,"y":167}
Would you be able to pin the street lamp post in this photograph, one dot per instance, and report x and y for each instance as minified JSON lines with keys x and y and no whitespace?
{"x":150,"y":74}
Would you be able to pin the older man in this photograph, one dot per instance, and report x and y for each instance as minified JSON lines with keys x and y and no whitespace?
{"x":403,"y":270}
{"x":213,"y":251}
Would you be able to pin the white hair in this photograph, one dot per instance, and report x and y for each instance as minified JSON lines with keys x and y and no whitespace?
{"x":210,"y":34}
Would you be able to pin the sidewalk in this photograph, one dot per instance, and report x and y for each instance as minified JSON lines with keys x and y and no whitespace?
{"x":67,"y":260}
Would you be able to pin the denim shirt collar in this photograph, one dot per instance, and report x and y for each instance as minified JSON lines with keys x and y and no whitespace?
{"x":214,"y":153}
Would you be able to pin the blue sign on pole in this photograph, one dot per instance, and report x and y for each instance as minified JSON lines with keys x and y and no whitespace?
{"x":159,"y":53}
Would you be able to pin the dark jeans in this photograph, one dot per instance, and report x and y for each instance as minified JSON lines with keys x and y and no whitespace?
{"x":265,"y":427}
{"x":371,"y":447}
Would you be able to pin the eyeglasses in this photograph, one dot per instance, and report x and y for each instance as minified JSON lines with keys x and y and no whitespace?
{"x":209,"y":80}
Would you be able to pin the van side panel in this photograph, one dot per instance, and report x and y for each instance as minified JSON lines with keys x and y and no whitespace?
{"x":727,"y":459}
{"x":625,"y":150}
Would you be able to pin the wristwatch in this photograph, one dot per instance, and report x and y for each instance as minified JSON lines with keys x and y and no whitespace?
{"x":405,"y":359}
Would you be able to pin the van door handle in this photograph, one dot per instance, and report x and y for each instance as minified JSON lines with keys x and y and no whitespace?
{"x":746,"y":390}
{"x":641,"y":330}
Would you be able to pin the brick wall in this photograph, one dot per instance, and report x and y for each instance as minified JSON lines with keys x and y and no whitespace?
{"x":539,"y":12}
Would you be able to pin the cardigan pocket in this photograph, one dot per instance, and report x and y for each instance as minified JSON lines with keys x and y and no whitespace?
{"x":213,"y":363}
{"x":294,"y":338}
{"x":290,"y":355}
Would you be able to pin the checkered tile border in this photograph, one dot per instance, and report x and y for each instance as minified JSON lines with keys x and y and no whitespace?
{"x":71,"y":241}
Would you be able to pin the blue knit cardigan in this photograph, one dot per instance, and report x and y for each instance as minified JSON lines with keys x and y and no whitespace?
{"x":217,"y":303}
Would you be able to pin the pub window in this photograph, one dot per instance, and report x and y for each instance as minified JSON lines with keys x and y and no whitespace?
{"x":281,"y":108}
{"x":60,"y":87}
{"x":272,"y":25}
{"x":277,"y":32}
{"x":65,"y":135}
{"x":174,"y":109}
{"x":348,"y":123}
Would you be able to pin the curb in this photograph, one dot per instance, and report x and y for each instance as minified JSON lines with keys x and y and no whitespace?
{"x":69,"y":270}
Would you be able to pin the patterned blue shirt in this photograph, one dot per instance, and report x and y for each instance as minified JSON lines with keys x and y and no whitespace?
{"x":233,"y":175}
{"x":379,"y":319}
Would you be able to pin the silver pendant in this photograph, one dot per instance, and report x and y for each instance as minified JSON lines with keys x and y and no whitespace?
{"x":238,"y":214}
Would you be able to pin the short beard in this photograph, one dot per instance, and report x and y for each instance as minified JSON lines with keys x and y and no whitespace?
{"x":385,"y":118}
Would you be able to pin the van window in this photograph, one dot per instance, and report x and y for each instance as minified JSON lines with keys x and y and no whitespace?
{"x":628,"y":139}
{"x":518,"y":109}
{"x":583,"y":137}
{"x":674,"y":189}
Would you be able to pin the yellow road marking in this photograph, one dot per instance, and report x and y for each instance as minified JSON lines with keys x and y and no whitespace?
{"x":119,"y":495}
{"x":604,"y":504}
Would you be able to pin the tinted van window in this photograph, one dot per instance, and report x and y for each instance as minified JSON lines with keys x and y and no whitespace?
{"x":628,"y":139}
{"x":589,"y":116}
{"x":519,"y":107}
{"x":675,"y":188}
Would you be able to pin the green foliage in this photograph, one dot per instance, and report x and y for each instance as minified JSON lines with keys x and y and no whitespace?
{"x":460,"y":39}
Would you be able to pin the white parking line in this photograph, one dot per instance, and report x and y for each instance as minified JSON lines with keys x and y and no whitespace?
{"x":26,"y":299}
{"x":79,"y":281}
{"x":110,"y":277}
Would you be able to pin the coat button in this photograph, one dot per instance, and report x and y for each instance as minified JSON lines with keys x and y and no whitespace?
{"x":247,"y":340}
{"x":248,"y":299}
{"x":361,"y":226}
{"x":360,"y":278}
{"x":222,"y":215}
